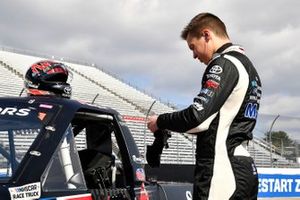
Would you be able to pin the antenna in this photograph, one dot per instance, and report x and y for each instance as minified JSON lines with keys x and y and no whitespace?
{"x":21,"y":92}
{"x":145,"y":127}
{"x":95,"y":98}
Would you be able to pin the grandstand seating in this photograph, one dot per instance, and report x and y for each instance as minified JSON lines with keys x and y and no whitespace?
{"x":10,"y":83}
{"x":92,"y":84}
{"x":261,"y":154}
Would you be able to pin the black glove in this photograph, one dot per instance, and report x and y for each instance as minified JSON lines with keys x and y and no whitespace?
{"x":154,"y":151}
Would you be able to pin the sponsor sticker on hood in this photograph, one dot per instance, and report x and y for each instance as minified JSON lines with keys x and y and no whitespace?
{"x":28,"y":192}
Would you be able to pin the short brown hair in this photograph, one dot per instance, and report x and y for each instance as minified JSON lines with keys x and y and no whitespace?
{"x":202,"y":21}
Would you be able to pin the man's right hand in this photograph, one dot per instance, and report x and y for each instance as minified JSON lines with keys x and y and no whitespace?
{"x":152,"y":123}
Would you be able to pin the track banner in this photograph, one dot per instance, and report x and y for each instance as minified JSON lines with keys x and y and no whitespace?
{"x":278,"y":182}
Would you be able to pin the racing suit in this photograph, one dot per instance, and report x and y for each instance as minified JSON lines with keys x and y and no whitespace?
{"x":223,"y":115}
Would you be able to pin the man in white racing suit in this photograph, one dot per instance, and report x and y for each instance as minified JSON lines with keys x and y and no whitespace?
{"x":222,"y":115}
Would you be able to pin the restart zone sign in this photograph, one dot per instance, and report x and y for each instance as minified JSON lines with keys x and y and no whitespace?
{"x":279,"y":183}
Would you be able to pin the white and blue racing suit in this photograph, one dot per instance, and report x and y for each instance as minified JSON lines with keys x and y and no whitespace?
{"x":223,"y":116}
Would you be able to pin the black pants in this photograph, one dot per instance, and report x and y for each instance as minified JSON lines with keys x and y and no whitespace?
{"x":245,"y":174}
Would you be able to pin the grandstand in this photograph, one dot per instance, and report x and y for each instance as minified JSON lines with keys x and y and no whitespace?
{"x":90,"y":84}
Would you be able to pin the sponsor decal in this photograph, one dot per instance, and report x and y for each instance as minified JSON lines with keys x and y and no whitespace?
{"x":50,"y":128}
{"x":28,"y":192}
{"x":216,"y":69}
{"x":56,"y":70}
{"x":133,"y":118}
{"x":22,"y":112}
{"x":253,"y":83}
{"x":31,"y":101}
{"x":143,"y":193}
{"x":31,"y":85}
{"x":68,"y":90}
{"x":207,"y":92}
{"x":140,"y":174}
{"x":73,"y":197}
{"x":251,"y":111}
{"x":41,"y":115}
{"x":254,"y":170}
{"x":46,"y":106}
{"x":213,"y":76}
{"x":254,"y":91}
{"x":255,"y":88}
{"x":138,"y":160}
{"x":211,"y":84}
{"x":258,"y":94}
{"x":205,"y":100}
{"x":198,"y":106}
{"x":188,"y":195}
{"x":42,"y":66}
{"x":254,"y":98}
{"x":76,"y":197}
{"x":35,"y":153}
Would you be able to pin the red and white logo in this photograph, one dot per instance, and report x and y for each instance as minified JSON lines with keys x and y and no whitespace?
{"x":211,"y":84}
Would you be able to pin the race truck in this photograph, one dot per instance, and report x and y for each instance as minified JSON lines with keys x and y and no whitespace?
{"x":54,"y":148}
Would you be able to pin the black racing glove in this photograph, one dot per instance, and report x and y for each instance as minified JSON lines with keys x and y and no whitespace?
{"x":154,"y":151}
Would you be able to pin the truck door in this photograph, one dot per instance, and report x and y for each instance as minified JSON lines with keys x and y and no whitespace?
{"x":100,"y":156}
{"x":63,"y":173}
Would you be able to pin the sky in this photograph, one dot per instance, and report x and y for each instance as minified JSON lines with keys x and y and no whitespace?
{"x":139,"y":41}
